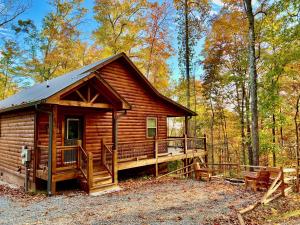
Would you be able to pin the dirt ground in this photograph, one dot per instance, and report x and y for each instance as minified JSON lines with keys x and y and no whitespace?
{"x":166,"y":201}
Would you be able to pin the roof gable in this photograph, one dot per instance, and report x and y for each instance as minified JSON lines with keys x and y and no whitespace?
{"x":39,"y":93}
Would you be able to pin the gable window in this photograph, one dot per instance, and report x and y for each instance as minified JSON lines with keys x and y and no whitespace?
{"x":151,"y":127}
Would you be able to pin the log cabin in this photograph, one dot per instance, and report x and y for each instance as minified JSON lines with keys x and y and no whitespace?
{"x":90,"y":124}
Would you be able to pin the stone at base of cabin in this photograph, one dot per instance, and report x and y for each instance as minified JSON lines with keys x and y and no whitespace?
{"x":109,"y":189}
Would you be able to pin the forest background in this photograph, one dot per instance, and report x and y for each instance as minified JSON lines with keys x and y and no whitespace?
{"x":234,"y":62}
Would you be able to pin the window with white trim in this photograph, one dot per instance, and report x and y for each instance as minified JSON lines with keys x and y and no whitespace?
{"x":151,"y":127}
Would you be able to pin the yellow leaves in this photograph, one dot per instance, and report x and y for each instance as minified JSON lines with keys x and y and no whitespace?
{"x":138,"y":28}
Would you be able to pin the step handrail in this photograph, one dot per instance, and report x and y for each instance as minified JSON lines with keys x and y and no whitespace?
{"x":88,"y":158}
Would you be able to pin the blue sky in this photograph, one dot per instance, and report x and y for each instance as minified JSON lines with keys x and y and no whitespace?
{"x":39,"y":8}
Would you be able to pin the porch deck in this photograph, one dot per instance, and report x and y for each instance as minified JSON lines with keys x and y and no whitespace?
{"x":139,"y":162}
{"x":100,"y":168}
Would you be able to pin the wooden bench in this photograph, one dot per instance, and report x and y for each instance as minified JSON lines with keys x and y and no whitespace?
{"x":257,"y":180}
{"x":202,"y":172}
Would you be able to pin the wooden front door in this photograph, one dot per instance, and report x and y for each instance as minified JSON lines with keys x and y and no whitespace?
{"x":73,"y":133}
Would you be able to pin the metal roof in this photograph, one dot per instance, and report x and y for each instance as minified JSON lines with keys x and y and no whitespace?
{"x":41,"y":91}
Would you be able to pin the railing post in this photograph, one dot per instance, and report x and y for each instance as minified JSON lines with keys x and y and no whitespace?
{"x":156,"y":156}
{"x":79,"y":143}
{"x":90,"y":169}
{"x":115,"y":166}
{"x":115,"y":146}
{"x":103,"y":152}
{"x":185,"y":143}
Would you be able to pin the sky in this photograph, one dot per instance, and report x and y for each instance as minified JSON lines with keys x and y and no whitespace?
{"x":39,"y":8}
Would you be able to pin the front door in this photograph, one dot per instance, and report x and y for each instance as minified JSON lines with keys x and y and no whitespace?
{"x":73,"y":133}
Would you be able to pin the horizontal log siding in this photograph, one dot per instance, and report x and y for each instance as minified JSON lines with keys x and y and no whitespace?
{"x":17,"y":130}
{"x":132,"y":126}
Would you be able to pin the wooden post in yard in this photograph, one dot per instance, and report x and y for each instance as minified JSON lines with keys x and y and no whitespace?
{"x":156,"y":156}
{"x":54,"y":130}
{"x":185,"y":162}
{"x":205,"y":149}
{"x":297,"y":179}
{"x":282,"y":180}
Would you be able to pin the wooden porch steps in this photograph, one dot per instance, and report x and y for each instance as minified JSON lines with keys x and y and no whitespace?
{"x":102,"y":182}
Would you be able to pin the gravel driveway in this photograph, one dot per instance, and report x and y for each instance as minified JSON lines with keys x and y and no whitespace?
{"x":167,"y":201}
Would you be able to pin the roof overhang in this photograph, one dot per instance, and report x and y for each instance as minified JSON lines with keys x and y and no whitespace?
{"x":115,"y":100}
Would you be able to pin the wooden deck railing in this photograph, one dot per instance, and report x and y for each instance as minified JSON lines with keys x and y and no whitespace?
{"x":149,"y":148}
{"x":107,"y":158}
{"x":67,"y":158}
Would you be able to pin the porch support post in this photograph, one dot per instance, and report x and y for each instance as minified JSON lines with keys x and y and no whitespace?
{"x":115,"y":145}
{"x":53,"y":147}
{"x":186,"y":131}
{"x":186,"y":126}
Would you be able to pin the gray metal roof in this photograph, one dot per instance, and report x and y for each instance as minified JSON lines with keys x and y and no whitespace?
{"x":41,"y":91}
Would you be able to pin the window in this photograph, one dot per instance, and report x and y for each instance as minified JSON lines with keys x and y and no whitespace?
{"x":73,"y":133}
{"x":151,"y":127}
{"x":73,"y":128}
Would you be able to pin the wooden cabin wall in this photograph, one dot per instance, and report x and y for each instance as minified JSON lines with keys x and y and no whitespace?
{"x":132,"y":126}
{"x":98,"y":125}
{"x":16,"y":130}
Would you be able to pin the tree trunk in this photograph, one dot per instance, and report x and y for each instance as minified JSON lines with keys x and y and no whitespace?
{"x":243,"y":124}
{"x":297,"y":142}
{"x":281,"y":133}
{"x":187,"y":54}
{"x":241,"y":112}
{"x":253,"y":82}
{"x":274,"y":139}
{"x":212,"y":123}
{"x":297,"y":131}
{"x":248,"y":138}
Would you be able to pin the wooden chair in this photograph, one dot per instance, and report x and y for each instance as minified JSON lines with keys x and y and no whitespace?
{"x":261,"y":179}
{"x":202,"y":172}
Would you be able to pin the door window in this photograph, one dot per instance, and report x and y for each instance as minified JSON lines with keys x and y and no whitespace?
{"x":73,"y":128}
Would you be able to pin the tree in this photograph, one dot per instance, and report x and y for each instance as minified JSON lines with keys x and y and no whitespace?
{"x":253,"y":80}
{"x":141,"y":30}
{"x":9,"y":69}
{"x":55,"y":48}
{"x":226,"y":63}
{"x":121,"y":26}
{"x":191,"y":22}
{"x":11,"y":9}
{"x":157,"y":48}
